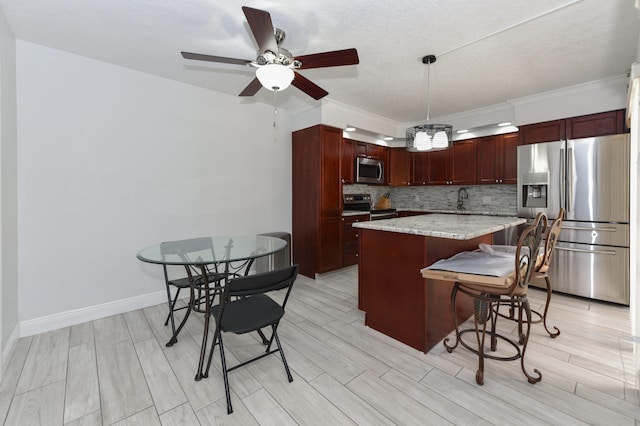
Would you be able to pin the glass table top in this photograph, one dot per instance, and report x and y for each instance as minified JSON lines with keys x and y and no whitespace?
{"x":208,"y":250}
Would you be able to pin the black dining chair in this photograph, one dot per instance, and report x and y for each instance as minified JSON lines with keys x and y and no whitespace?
{"x":167,"y":250}
{"x":251,"y":309}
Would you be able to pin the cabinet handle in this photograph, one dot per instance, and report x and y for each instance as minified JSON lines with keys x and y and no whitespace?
{"x":357,"y":235}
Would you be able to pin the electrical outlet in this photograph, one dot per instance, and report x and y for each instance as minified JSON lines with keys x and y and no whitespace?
{"x":486,"y":200}
{"x":417,"y":199}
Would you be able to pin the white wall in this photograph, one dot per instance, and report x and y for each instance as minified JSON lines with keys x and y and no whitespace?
{"x":8,"y":188}
{"x":112,"y":160}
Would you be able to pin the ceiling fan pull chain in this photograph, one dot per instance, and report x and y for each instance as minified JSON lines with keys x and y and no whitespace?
{"x":275,"y":106}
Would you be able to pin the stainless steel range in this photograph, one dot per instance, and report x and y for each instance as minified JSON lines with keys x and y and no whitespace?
{"x":362,"y":203}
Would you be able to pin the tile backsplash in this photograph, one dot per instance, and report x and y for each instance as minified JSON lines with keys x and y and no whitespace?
{"x":493,"y":199}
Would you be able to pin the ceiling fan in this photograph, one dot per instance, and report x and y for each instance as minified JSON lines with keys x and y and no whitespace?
{"x":276,"y":66}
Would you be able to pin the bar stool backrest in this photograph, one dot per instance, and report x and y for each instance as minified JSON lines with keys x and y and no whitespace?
{"x":526,"y":260}
{"x":551,"y":240}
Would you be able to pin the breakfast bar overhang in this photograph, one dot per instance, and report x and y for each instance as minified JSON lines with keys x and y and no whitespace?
{"x":391,"y":291}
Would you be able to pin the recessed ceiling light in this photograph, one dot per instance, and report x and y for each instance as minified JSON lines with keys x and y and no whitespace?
{"x":506,"y":123}
{"x":462,"y":131}
{"x":350,"y":129}
{"x":388,"y":138}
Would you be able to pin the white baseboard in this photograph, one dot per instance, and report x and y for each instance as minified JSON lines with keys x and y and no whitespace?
{"x":90,"y":313}
{"x":7,"y":351}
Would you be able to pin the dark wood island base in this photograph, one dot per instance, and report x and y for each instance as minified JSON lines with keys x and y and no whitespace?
{"x":397,"y":300}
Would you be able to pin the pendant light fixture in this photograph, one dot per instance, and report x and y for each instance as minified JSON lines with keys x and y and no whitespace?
{"x":427,"y":137}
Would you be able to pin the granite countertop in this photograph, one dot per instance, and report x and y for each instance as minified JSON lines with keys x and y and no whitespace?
{"x":452,"y":226}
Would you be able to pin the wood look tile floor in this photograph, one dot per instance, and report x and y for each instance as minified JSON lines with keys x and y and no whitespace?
{"x":118,"y":371}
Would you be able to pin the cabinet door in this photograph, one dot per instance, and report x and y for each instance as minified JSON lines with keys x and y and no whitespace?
{"x":375,"y":151}
{"x":330,"y":244}
{"x":462,"y":163}
{"x":489,"y":159}
{"x":439,"y":167}
{"x":360,"y":149}
{"x":547,"y":131}
{"x":399,"y":168}
{"x":331,"y":188}
{"x":605,"y":123}
{"x":347,"y":163}
{"x":419,"y":168}
{"x":509,"y":158}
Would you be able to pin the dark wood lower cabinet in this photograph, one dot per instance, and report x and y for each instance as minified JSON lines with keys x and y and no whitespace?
{"x":350,"y":235}
{"x":397,"y":300}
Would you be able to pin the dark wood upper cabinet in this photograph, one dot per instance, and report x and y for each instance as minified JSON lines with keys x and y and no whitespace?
{"x":399,"y":167}
{"x":419,"y":168}
{"x":438,"y":167}
{"x":463,"y":162}
{"x":360,"y":149}
{"x":510,"y":158}
{"x":498,"y":159}
{"x":454,"y":166}
{"x":347,"y":164}
{"x":604,"y":123}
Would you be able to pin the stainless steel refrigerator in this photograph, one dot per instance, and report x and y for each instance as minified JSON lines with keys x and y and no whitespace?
{"x":590,"y":179}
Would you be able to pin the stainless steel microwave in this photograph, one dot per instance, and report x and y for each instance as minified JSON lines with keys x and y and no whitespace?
{"x":369,"y":170}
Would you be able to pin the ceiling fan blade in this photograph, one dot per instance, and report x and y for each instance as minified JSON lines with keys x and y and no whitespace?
{"x":252,"y":88}
{"x":201,"y":57}
{"x":335,"y":58}
{"x":262,"y":29}
{"x":308,"y":87}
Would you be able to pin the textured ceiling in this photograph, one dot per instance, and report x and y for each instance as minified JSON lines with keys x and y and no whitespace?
{"x":488,"y":51}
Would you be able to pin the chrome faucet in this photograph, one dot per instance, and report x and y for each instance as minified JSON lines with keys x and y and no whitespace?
{"x":462,"y":195}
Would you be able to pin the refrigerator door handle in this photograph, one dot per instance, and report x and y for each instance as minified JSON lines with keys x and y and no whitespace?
{"x":561,"y":182}
{"x":607,"y":252}
{"x":570,"y":165}
{"x":584,"y":228}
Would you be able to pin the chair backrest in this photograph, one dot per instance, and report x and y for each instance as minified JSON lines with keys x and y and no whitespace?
{"x":552,"y":238}
{"x":262,"y":283}
{"x":183,"y":248}
{"x":528,"y":250}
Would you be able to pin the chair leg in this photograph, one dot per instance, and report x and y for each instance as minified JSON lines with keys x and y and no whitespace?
{"x":225,"y":374}
{"x":552,"y":334}
{"x":172,"y":306}
{"x":284,"y":360}
{"x":481,"y":314}
{"x":524,"y":302}
{"x":454,"y":293}
{"x":265,"y":341}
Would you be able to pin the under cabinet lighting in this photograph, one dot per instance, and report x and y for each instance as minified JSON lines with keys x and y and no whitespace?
{"x":462,"y":131}
{"x":506,"y":123}
{"x":350,"y":129}
{"x":388,"y":138}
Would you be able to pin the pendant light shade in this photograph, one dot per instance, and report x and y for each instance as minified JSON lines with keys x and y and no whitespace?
{"x":426,"y":137}
{"x":275,"y":76}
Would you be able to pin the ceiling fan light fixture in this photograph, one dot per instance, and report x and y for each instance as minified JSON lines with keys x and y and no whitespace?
{"x":426,"y":137}
{"x":275,"y":76}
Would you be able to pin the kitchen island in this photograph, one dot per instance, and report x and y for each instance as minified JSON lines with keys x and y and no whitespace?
{"x":396,"y":299}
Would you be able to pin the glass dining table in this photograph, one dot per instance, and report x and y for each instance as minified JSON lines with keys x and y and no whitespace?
{"x":202,"y":257}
